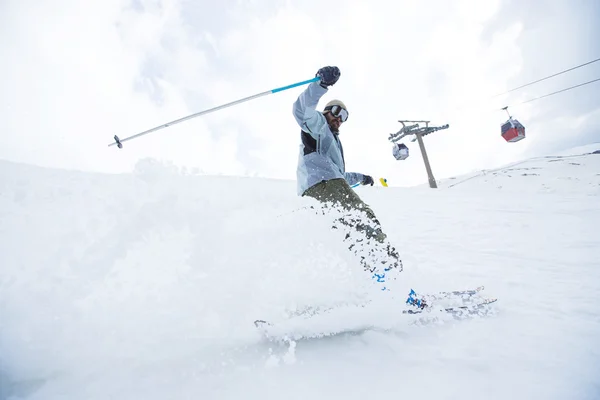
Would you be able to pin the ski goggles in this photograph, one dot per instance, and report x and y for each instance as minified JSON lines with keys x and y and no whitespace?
{"x":338,"y":112}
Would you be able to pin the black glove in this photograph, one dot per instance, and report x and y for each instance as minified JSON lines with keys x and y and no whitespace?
{"x":328,"y":75}
{"x":367,"y":180}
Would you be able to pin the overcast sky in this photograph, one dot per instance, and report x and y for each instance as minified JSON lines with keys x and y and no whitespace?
{"x":74,"y":73}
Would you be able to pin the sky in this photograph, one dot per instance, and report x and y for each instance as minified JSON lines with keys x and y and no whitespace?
{"x":73,"y":75}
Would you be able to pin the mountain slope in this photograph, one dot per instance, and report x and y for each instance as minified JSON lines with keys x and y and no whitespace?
{"x":573,"y":171}
{"x":145,"y":285}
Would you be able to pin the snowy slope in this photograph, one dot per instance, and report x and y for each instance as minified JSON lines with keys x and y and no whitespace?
{"x":145,"y":285}
{"x":572,"y":171}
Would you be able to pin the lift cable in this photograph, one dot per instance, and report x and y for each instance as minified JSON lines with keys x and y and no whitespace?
{"x":548,"y":77}
{"x":558,"y":91}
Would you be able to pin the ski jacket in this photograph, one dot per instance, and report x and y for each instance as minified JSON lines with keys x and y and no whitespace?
{"x":321,"y":155}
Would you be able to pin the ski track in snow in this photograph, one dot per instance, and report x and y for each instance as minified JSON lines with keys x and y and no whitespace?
{"x":145,"y":285}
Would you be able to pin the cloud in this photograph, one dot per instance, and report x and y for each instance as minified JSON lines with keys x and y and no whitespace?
{"x":80,"y":73}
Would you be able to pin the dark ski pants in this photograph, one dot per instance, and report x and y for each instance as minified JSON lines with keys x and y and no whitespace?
{"x":376,"y":250}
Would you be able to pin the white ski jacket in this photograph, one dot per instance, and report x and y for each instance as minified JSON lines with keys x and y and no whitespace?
{"x":321,"y":154}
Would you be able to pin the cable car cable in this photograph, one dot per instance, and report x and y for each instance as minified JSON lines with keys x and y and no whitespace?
{"x":559,"y":91}
{"x":467,"y":106}
{"x":548,"y":77}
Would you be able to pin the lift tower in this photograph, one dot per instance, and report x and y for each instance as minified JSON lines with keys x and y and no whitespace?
{"x":414,"y":129}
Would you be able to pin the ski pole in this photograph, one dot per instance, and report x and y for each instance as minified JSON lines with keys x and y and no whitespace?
{"x":382,"y":180}
{"x":119,"y":142}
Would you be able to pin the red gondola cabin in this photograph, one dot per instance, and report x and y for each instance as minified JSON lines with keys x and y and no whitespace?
{"x":513,"y":130}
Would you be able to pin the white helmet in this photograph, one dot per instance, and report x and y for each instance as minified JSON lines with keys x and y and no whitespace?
{"x":337,"y":108}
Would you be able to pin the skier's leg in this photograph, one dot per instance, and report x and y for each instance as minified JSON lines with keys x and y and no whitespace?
{"x":377,"y":249}
{"x":339,"y":193}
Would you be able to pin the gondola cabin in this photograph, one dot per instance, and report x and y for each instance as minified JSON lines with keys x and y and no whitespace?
{"x":512,"y":130}
{"x":400,"y":151}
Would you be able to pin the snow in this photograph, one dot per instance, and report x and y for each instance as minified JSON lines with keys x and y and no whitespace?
{"x":573,"y":171}
{"x":146,"y":285}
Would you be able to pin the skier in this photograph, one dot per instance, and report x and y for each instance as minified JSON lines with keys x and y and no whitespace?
{"x":322,"y":175}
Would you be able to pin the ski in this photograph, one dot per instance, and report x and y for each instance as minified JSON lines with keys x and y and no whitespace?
{"x":470,"y":292}
{"x":319,"y":323}
{"x":453,"y":310}
{"x":422,"y":300}
{"x":453,"y":293}
{"x":270,"y":332}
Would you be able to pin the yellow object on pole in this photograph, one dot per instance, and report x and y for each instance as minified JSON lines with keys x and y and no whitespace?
{"x":383,"y":182}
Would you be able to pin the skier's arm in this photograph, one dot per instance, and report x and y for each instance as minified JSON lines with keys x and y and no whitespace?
{"x":307,"y":117}
{"x":354,"y":177}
